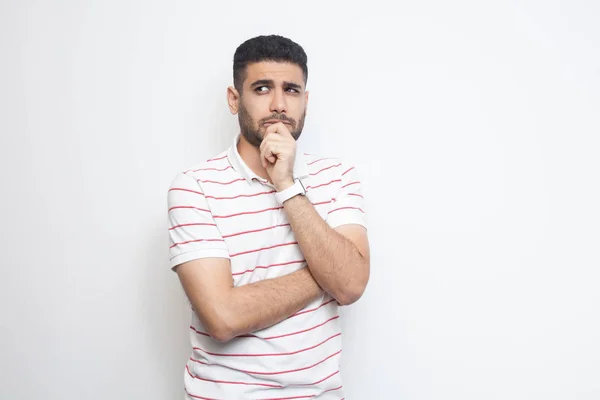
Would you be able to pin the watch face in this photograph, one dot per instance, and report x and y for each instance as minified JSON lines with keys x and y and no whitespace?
{"x":303,"y":188}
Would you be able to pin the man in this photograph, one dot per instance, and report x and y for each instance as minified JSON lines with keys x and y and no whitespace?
{"x":268,"y":243}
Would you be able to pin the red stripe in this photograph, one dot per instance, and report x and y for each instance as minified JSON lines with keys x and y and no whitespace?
{"x":213,"y":169}
{"x":207,"y":335}
{"x":303,"y":397}
{"x":346,"y":208}
{"x":273,"y":373}
{"x":221,"y":183}
{"x":247,"y":212}
{"x":311,"y":310}
{"x":197,"y":240}
{"x":263,"y":248}
{"x":347,"y":171}
{"x":198,"y":223}
{"x":195,"y":208}
{"x":215,"y":159}
{"x":305,"y":330}
{"x":323,"y":202}
{"x":351,"y":183}
{"x":268,"y":266}
{"x":272,"y":337}
{"x":269,"y":354}
{"x":320,"y":159}
{"x":326,"y":168}
{"x":199,"y":332}
{"x":186,"y":190}
{"x":255,"y":230}
{"x":235,"y":215}
{"x":230,"y":382}
{"x":324,"y":184}
{"x":241,"y":195}
{"x":355,"y":194}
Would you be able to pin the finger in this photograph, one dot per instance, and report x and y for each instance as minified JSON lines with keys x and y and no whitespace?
{"x":272,"y":153}
{"x":264,"y":147}
{"x":266,"y":154}
{"x":268,"y":138}
{"x":274,"y":144}
{"x":263,"y":155}
{"x":271,"y":129}
{"x":282,"y":129}
{"x":272,"y":137}
{"x":279,"y":128}
{"x":273,"y":147}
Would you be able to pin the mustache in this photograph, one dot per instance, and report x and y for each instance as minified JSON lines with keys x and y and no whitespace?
{"x":280,"y":117}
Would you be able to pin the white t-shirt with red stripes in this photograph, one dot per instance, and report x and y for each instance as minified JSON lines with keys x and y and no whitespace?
{"x":220,"y":208}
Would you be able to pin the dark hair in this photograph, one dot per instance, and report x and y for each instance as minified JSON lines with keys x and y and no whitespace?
{"x":267,"y":48}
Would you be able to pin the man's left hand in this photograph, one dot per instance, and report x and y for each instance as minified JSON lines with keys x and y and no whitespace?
{"x":277,"y":154}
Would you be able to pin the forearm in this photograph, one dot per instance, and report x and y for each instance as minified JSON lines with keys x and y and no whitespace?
{"x":264,"y":303}
{"x":336,"y":264}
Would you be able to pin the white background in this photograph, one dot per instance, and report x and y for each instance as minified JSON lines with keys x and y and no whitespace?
{"x":474,"y":125}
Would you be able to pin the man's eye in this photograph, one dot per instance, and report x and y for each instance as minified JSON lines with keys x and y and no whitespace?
{"x":292,"y":90}
{"x":262,"y":89}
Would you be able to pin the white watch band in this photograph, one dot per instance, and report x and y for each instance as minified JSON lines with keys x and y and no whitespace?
{"x":296,"y":189}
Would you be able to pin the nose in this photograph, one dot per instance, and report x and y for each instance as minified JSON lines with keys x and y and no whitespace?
{"x":278,"y":102}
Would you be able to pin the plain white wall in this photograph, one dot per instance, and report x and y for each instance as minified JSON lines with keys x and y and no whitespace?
{"x":475,"y":127}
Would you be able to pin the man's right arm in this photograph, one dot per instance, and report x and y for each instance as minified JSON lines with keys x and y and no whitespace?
{"x":227,"y":311}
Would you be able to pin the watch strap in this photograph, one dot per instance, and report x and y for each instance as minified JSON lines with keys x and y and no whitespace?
{"x":294,"y":190}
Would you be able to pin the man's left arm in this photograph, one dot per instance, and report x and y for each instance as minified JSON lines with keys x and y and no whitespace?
{"x":336,"y":250}
{"x":338,"y":258}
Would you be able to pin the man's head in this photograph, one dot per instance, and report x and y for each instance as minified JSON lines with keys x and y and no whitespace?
{"x":269,"y":76}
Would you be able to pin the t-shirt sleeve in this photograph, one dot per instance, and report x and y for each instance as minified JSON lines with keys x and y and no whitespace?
{"x":193,"y":232}
{"x":348,"y":207}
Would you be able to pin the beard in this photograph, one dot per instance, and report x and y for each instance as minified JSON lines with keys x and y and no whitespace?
{"x":254,"y":133}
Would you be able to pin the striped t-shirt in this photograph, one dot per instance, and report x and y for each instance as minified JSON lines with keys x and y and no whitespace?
{"x":220,"y":208}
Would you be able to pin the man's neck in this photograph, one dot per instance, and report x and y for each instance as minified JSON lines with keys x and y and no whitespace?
{"x":251,"y":156}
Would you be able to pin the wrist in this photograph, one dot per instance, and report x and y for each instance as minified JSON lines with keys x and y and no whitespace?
{"x":284,"y":184}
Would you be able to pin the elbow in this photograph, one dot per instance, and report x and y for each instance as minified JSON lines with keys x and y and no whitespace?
{"x":351,"y":294}
{"x":220,"y":333}
{"x":348,"y":297}
{"x":353,"y":290}
{"x":218,"y":326}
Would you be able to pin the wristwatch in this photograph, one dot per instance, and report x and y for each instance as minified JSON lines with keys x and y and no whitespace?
{"x":294,"y":190}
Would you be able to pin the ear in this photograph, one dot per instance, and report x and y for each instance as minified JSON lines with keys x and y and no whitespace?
{"x":305,"y":102}
{"x":233,"y":99}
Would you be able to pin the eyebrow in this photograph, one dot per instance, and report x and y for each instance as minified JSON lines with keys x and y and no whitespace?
{"x":270,"y":82}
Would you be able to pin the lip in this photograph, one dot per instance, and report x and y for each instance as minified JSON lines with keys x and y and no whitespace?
{"x":274,"y":121}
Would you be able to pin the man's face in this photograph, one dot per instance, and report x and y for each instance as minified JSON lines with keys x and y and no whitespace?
{"x":272,"y":92}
